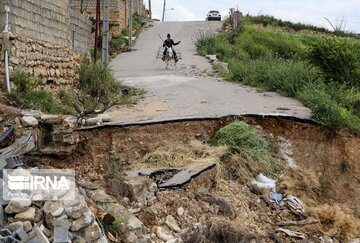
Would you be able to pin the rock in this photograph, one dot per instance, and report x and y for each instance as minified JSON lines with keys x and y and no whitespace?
{"x":92,"y":233}
{"x":15,"y":225}
{"x":27,"y":226}
{"x":17,"y":121}
{"x":135,"y":188}
{"x":52,"y":222}
{"x":77,"y":211}
{"x":152,"y":187}
{"x":57,"y":212}
{"x":99,"y":196}
{"x":82,"y":222}
{"x":93,"y":121}
{"x":104,"y":117}
{"x":1,"y":119}
{"x":111,"y":237}
{"x":29,"y":121}
{"x":165,"y":237}
{"x":88,"y":185}
{"x":173,"y":240}
{"x":180,"y":211}
{"x":51,"y":206}
{"x":28,"y":215}
{"x":18,"y":205}
{"x":212,"y":58}
{"x":134,"y":224}
{"x":172,"y":224}
{"x":38,"y":232}
{"x":38,"y":215}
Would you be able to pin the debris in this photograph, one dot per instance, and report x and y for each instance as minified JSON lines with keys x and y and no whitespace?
{"x":297,"y":223}
{"x":61,"y":234}
{"x":162,"y":235}
{"x":172,"y":224}
{"x":21,"y":146}
{"x":18,"y":205}
{"x":224,"y":207}
{"x":20,"y":234}
{"x":5,"y":137}
{"x":29,"y":121}
{"x":180,"y":211}
{"x":186,"y":175}
{"x":96,"y":121}
{"x":262,"y":181}
{"x":295,"y":205}
{"x":13,"y":162}
{"x":28,"y":215}
{"x":277,"y":198}
{"x":291,"y":233}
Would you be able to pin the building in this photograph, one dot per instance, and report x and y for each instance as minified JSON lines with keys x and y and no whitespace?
{"x":119,"y":11}
{"x":47,"y":39}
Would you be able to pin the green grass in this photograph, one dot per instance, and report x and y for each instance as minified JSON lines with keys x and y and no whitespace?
{"x":94,"y":80}
{"x":322,"y":72}
{"x":249,"y":143}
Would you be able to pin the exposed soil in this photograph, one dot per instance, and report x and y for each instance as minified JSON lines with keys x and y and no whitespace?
{"x":325,"y":177}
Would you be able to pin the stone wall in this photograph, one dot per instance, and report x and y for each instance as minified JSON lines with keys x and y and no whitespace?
{"x":49,"y":39}
{"x":119,"y":12}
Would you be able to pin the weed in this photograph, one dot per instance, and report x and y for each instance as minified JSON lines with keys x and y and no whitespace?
{"x":117,"y":228}
{"x":344,"y":166}
{"x":256,"y":153}
{"x":113,"y":164}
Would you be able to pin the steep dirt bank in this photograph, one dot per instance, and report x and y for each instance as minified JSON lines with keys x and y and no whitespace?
{"x":325,"y":176}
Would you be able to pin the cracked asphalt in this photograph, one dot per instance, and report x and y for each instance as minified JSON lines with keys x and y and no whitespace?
{"x":192,"y":89}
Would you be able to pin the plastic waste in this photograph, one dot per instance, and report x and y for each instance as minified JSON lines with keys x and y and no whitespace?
{"x":262,"y":181}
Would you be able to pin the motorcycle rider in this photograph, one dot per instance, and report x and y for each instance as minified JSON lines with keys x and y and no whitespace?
{"x":168,"y":43}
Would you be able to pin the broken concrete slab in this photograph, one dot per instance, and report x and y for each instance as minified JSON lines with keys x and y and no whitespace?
{"x":61,"y":234}
{"x":185,"y":176}
{"x":14,"y":162}
{"x":20,"y":234}
{"x":21,"y":146}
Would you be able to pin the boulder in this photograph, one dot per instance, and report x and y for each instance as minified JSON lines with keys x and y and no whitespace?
{"x":172,"y":224}
{"x":29,"y":121}
{"x":18,"y":205}
{"x":28,"y":215}
{"x":92,"y":233}
{"x":82,"y":222}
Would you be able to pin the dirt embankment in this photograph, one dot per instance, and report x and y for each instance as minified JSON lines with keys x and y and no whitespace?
{"x":325,"y":177}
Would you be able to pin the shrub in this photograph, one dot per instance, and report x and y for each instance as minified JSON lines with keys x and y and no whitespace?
{"x":244,"y":139}
{"x":338,"y":59}
{"x":274,"y":74}
{"x":28,"y":97}
{"x":97,"y":87}
{"x":326,"y":110}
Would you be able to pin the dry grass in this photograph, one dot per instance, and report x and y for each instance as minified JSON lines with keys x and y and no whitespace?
{"x":336,"y":221}
{"x":181,"y":155}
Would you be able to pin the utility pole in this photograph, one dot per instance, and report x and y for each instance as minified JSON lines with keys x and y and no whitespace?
{"x":105,"y":37}
{"x":81,"y":6}
{"x":150,"y":9}
{"x":163,"y":16}
{"x":130,"y":22}
{"x":97,"y":20}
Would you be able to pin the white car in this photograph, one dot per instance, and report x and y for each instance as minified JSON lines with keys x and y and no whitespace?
{"x":213,"y":15}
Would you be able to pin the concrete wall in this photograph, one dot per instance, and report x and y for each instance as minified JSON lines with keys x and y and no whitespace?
{"x":49,"y":39}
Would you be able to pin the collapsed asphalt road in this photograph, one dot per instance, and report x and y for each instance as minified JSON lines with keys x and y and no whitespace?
{"x":191,"y":89}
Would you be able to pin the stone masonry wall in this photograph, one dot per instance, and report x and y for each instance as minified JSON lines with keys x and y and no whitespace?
{"x":119,"y":12}
{"x":49,"y":39}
